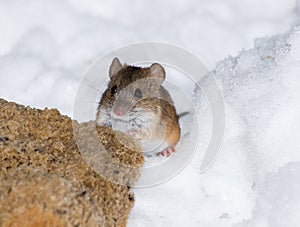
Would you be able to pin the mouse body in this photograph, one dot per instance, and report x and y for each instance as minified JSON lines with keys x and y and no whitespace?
{"x":135,"y":102}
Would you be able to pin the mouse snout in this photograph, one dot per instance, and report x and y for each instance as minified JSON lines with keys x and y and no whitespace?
{"x":120,"y":110}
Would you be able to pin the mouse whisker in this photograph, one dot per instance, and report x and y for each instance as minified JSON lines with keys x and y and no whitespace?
{"x":90,"y":84}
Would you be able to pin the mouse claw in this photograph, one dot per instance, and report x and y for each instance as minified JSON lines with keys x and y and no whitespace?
{"x":167,"y":152}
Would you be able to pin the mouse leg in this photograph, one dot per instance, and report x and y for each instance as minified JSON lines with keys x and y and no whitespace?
{"x":167,"y":152}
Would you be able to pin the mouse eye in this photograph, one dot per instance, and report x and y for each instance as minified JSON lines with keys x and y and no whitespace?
{"x":113,"y":89}
{"x":138,"y":93}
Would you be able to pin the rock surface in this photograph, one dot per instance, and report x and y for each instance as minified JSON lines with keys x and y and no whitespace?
{"x":44,"y":181}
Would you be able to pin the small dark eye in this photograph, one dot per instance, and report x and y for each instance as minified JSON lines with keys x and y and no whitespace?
{"x":114,"y":89}
{"x":138,"y":93}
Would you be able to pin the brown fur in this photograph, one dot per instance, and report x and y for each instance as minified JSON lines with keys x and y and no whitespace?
{"x":156,"y":99}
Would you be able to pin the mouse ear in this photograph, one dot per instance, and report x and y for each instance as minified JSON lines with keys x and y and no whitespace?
{"x":115,"y":67}
{"x":157,"y":71}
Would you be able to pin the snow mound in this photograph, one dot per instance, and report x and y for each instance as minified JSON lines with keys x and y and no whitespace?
{"x":262,"y":85}
{"x":255,"y":179}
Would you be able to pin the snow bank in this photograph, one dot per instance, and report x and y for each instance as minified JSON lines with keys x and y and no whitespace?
{"x":255,"y":180}
{"x":262,"y":86}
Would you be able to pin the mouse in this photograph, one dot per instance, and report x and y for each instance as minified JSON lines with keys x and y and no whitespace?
{"x":136,"y":103}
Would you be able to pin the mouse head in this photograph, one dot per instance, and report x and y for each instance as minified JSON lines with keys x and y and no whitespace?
{"x":132,"y":89}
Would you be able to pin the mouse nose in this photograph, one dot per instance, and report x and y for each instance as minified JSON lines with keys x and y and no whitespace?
{"x":120,"y":111}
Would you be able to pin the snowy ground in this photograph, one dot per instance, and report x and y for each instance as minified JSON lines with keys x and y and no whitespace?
{"x":46,"y":46}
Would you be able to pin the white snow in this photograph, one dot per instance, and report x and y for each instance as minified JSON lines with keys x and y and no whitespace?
{"x":255,"y":180}
{"x":68,"y":35}
{"x":46,"y":46}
